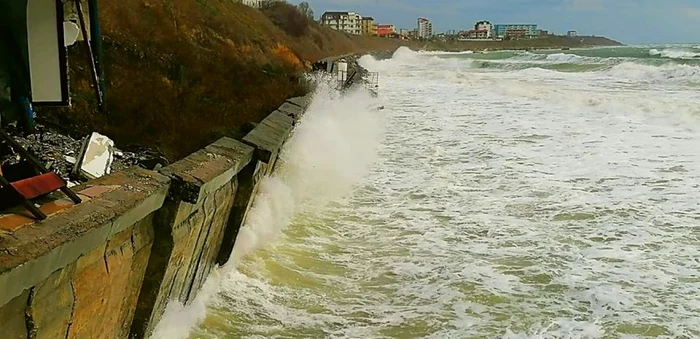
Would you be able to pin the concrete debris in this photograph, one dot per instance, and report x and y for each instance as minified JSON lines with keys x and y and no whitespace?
{"x":49,"y":147}
{"x":61,"y":153}
{"x":96,"y":160}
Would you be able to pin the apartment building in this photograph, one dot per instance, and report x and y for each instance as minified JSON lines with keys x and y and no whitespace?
{"x":349,"y":22}
{"x":386,"y":30}
{"x":369,"y":28}
{"x":484,"y":26}
{"x":425,"y":28}
{"x":515,"y":30}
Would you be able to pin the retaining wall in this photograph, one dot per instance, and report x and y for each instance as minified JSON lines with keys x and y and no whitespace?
{"x":108,"y":267}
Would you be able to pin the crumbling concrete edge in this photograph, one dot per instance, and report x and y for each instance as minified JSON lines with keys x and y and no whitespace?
{"x":199,"y":174}
{"x":196,"y":179}
{"x":15,"y":280}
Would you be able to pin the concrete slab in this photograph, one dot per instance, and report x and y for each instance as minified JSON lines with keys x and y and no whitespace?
{"x":97,"y":159}
{"x":265,"y":142}
{"x":208,"y":169}
{"x":302,"y":102}
{"x":292,"y":110}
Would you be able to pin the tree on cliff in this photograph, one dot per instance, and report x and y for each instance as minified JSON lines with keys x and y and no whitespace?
{"x":306,"y":10}
{"x":288,"y":17}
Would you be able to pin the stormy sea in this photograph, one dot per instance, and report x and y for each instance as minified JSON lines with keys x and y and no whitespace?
{"x":512,"y":194}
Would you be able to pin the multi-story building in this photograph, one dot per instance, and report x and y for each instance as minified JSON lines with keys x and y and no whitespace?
{"x":515,"y":30}
{"x":484,"y":26}
{"x":255,"y":3}
{"x":386,"y":30}
{"x":425,"y":28}
{"x":349,"y":22}
{"x":475,"y":34}
{"x":572,"y":33}
{"x":369,"y":28}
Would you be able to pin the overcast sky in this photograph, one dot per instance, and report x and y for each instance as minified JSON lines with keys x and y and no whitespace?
{"x":629,"y":21}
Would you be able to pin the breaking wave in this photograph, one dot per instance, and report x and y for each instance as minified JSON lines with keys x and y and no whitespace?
{"x":529,"y":203}
{"x":331,"y":149}
{"x":656,"y":74}
{"x":673,"y":53}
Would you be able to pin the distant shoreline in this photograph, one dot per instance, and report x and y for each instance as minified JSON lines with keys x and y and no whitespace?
{"x":545,"y":43}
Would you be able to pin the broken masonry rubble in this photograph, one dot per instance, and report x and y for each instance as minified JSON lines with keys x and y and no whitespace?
{"x":74,"y":160}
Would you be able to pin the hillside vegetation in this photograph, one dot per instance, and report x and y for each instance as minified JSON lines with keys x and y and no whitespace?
{"x":182,"y":73}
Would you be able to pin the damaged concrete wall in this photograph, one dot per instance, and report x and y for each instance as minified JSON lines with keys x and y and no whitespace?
{"x":78,"y":273}
{"x":189,"y":228}
{"x":108,"y":267}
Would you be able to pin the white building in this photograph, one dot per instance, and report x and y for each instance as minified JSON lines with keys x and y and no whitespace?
{"x":484,"y":26}
{"x":349,"y":22}
{"x":255,"y":3}
{"x":425,"y":28}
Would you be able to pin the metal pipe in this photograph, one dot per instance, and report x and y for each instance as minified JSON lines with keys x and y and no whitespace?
{"x":90,"y":55}
{"x":96,"y":39}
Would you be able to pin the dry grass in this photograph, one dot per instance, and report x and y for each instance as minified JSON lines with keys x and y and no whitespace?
{"x":182,"y":73}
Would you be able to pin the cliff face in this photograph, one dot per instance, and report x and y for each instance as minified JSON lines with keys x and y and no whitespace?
{"x":183,"y":73}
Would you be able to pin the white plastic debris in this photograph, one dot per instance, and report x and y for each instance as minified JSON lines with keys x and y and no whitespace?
{"x":97,"y":159}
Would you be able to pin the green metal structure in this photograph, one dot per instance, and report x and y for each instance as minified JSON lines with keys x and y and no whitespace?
{"x":18,"y":56}
{"x":15,"y":85}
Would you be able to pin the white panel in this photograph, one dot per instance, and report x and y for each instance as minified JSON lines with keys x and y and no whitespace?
{"x":44,"y":52}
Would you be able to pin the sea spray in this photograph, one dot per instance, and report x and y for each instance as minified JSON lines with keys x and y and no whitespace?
{"x":332,"y":147}
{"x":330,"y":150}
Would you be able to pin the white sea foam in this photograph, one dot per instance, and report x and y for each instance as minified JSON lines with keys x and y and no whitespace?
{"x":330,"y":150}
{"x":656,"y":74}
{"x":568,"y":58}
{"x":675,"y":53}
{"x":516,"y":204}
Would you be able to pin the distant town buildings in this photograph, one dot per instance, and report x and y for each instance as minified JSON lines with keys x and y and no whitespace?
{"x":354,"y":23}
{"x":515,"y":31}
{"x":369,"y":28}
{"x":349,"y":22}
{"x":386,"y":30}
{"x":425,"y":28}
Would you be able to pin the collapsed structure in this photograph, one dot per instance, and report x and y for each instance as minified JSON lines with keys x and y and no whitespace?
{"x":34,"y":36}
{"x":345,"y":71}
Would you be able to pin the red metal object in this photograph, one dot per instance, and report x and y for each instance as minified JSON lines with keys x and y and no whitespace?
{"x":39,"y":185}
{"x":30,"y":188}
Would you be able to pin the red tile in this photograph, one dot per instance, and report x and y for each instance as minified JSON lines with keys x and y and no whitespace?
{"x":94,"y":191}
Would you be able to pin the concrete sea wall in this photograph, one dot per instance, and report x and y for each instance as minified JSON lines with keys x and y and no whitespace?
{"x":107,"y":268}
